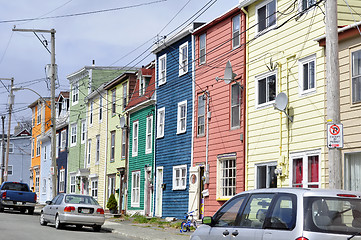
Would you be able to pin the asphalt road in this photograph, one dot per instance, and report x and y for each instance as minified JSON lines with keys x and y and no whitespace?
{"x":16,"y":226}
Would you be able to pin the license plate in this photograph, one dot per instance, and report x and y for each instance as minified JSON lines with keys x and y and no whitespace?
{"x":85,"y":211}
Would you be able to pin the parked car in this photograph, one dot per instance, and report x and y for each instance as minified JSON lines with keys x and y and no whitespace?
{"x":286,"y":214}
{"x":73,"y":209}
{"x":17,"y":196}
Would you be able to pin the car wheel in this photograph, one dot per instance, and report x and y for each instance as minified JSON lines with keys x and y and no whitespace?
{"x":42,"y":220}
{"x":79,"y":227}
{"x":30,"y":211}
{"x":58,"y":224}
{"x":22,"y":211}
{"x":1,"y":208}
{"x":97,"y":228}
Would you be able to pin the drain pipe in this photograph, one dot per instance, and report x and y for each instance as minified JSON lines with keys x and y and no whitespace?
{"x":206,"y":173}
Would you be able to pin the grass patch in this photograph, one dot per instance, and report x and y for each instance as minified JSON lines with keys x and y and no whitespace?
{"x":154,"y":221}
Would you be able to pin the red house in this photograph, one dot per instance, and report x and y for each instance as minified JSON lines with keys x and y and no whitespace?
{"x":219,"y":112}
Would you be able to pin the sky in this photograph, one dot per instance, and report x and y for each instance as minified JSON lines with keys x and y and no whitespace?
{"x":112,"y":32}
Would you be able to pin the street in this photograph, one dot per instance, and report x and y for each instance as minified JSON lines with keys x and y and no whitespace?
{"x":16,"y":226}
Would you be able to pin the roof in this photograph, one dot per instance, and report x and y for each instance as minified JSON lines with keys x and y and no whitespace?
{"x":119,"y":79}
{"x":36,"y":102}
{"x":64,"y":94}
{"x":84,"y":71}
{"x":246,"y":3}
{"x":343,"y":33}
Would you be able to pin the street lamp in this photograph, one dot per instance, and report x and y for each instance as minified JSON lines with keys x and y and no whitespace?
{"x":25,"y":88}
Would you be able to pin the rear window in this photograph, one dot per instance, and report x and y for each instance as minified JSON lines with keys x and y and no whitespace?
{"x":16,"y":187}
{"x":333,"y":215}
{"x":76,"y":199}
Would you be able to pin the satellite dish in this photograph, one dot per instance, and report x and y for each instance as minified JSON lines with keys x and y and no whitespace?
{"x":122,"y":122}
{"x":228,"y":73}
{"x":281,"y":101}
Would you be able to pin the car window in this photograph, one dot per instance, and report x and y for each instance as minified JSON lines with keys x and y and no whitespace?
{"x":59,"y":200}
{"x":54,"y":200}
{"x":283,"y":215}
{"x":15,"y":187}
{"x":77,"y":199}
{"x":227,"y":215}
{"x":255,"y":212}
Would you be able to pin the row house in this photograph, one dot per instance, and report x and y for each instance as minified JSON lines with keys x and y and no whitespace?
{"x":118,"y":91}
{"x":140,"y":166}
{"x":174,"y":123}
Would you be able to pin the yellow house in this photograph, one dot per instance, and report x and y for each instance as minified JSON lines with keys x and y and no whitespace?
{"x":96,"y":141}
{"x":286,"y":133}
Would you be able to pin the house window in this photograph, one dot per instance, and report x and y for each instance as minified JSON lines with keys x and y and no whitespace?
{"x":100,"y":108}
{"x":97,"y":153}
{"x":305,"y":169}
{"x":183,"y":59}
{"x":182,"y":117}
{"x":62,"y":180}
{"x":143,"y":84}
{"x":179,"y":177}
{"x":32,"y":147}
{"x":112,"y":146}
{"x":33,"y":118}
{"x":352,"y":171}
{"x":160,"y":122}
{"x":83,"y":131}
{"x":149,"y":135}
{"x":57,"y":145}
{"x":135,"y":199}
{"x":201,"y":115}
{"x":10,"y":170}
{"x":37,"y":179}
{"x":114,"y":102}
{"x":135,"y":139}
{"x":226,"y":176}
{"x":63,"y":140}
{"x":236,"y":31}
{"x":235,"y":106}
{"x":38,"y":146}
{"x":72,"y":184}
{"x":202,"y":48}
{"x":356,"y":77}
{"x":124,"y":96}
{"x":73,"y":135}
{"x":306,"y":4}
{"x":94,"y":188}
{"x":89,"y":151}
{"x":111,"y":185}
{"x":266,"y":177}
{"x":266,"y":14}
{"x":39,"y":115}
{"x":266,"y":88}
{"x":75,"y":93}
{"x":11,"y":147}
{"x":44,"y":186}
{"x":162,"y":69}
{"x":307,"y":74}
{"x":124,"y":134}
{"x":91,"y":113}
{"x":45,"y":153}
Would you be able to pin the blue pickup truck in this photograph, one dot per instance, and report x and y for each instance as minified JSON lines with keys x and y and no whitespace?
{"x":17,"y":196}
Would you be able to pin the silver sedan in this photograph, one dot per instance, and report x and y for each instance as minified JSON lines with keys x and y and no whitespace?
{"x":72,"y":209}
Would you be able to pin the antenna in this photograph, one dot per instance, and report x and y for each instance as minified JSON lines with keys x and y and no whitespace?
{"x":229,"y":75}
{"x":280,"y":104}
{"x":122,"y":122}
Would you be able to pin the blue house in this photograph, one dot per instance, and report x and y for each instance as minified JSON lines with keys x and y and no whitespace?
{"x":174,"y":117}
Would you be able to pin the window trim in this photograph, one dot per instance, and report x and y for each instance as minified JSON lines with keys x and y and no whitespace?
{"x":72,"y":176}
{"x":183,"y":63}
{"x":200,"y":49}
{"x":300,"y":6}
{"x":38,"y":114}
{"x":97,"y":150}
{"x":125,"y":95}
{"x":204,"y":115}
{"x":239,"y":107}
{"x":73,"y":134}
{"x":149,"y":135}
{"x":12,"y":170}
{"x":75,"y":93}
{"x":353,"y":51}
{"x":135,"y":153}
{"x":301,"y":63}
{"x":83,"y":131}
{"x":63,"y":140}
{"x":264,"y":3}
{"x":162,"y":81}
{"x":220,"y":159}
{"x":100,"y":119}
{"x":135,"y":202}
{"x":94,"y":189}
{"x":180,"y":186}
{"x":260,"y":77}
{"x":239,"y":31}
{"x":88,"y":157}
{"x":160,"y":124}
{"x":38,"y":146}
{"x":112,"y":146}
{"x":179,"y":130}
{"x":267,"y":164}
{"x":114,"y":102}
{"x":62,"y":180}
{"x":91,"y":113}
{"x":124,"y":142}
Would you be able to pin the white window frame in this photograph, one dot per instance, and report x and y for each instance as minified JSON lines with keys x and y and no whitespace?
{"x":236,"y":33}
{"x":180,"y":118}
{"x":124,"y":142}
{"x":135,"y":139}
{"x":100,"y":108}
{"x":38,"y":146}
{"x":268,"y":165}
{"x":162,"y":70}
{"x":94,"y":188}
{"x":355,"y":93}
{"x":45,"y":153}
{"x":149,"y":135}
{"x":32,"y":147}
{"x":202,"y":50}
{"x":73,"y":134}
{"x":352,"y":172}
{"x":135,"y":199}
{"x":180,"y":181}
{"x":75,"y":93}
{"x":91,"y":113}
{"x":261,"y":77}
{"x":264,"y":3}
{"x":304,"y":155}
{"x":63,"y":140}
{"x":10,"y":170}
{"x":97,"y":150}
{"x":62,"y":180}
{"x":44,"y":186}
{"x":301,"y":63}
{"x":183,"y":59}
{"x":114,"y":102}
{"x":37,"y":181}
{"x":203,"y":116}
{"x":83,"y":131}
{"x":72,"y":184}
{"x":11,"y":147}
{"x":89,"y":152}
{"x":221,"y":177}
{"x":38,"y":114}
{"x":125,"y":95}
{"x":111,"y":185}
{"x":301,"y":7}
{"x":112,"y":146}
{"x":232,"y":105}
{"x":33,"y":118}
{"x":160,"y":123}
{"x":57,"y":145}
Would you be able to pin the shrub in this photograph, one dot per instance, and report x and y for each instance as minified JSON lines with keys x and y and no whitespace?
{"x":112,"y":203}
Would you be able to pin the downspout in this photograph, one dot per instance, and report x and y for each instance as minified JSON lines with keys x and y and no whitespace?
{"x":280,"y":161}
{"x":193,"y":97}
{"x":206,"y":174}
{"x":244,"y":97}
{"x":106,"y":153}
{"x":287,"y":162}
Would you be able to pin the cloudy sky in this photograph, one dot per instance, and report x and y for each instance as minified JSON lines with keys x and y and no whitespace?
{"x":112,"y":32}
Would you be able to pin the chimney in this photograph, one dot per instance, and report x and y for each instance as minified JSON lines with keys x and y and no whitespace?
{"x":93,"y":62}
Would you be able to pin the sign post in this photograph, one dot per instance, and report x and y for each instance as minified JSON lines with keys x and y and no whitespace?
{"x":334,"y":135}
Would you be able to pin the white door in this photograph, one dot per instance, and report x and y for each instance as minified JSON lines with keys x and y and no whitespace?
{"x":159,"y":194}
{"x":194,"y":190}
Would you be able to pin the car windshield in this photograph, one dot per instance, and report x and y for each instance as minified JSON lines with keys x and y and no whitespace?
{"x":333,"y":215}
{"x":16,"y":187}
{"x":77,"y":199}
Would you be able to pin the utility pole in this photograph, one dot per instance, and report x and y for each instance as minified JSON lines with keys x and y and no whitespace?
{"x":3,"y":150}
{"x":11,"y":102}
{"x":333,"y":90}
{"x":53,"y":119}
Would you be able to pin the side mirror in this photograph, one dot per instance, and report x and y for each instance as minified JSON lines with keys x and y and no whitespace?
{"x":48,"y":202}
{"x":207,"y":221}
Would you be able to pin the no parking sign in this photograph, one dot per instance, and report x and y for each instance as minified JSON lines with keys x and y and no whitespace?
{"x":334,"y":135}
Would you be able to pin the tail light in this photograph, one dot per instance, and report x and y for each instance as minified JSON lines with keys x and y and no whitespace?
{"x":3,"y":195}
{"x":69,"y":209}
{"x":35,"y":197}
{"x":100,"y":210}
{"x":346,"y":195}
{"x":301,"y":238}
